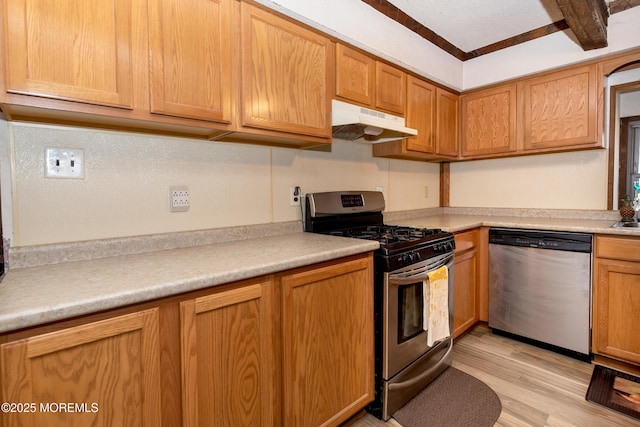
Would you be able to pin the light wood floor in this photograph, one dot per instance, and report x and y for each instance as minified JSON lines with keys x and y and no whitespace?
{"x":536,"y":387}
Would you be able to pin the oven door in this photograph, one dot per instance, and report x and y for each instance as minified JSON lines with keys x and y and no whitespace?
{"x":404,"y":339}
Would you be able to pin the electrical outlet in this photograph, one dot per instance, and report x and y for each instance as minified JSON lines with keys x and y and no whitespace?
{"x":179,"y":199}
{"x":426,"y":191}
{"x":295,"y":194}
{"x":64,"y":163}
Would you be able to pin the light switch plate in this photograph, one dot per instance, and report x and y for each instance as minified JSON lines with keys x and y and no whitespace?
{"x":64,"y":163}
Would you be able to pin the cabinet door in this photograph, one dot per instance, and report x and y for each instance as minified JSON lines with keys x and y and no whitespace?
{"x":355,"y":75}
{"x":327,"y":317}
{"x":190,"y":43}
{"x":70,"y":49}
{"x":560,"y":109}
{"x":465,"y":288}
{"x":616,"y":311}
{"x":227,"y":358}
{"x":421,"y":107}
{"x":489,"y":121}
{"x":447,"y":143}
{"x":465,"y":311}
{"x":108,"y":370}
{"x":286,"y":73}
{"x":391,"y":87}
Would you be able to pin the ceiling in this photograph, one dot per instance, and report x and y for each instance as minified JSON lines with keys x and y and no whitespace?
{"x":470,"y":28}
{"x":472,"y":24}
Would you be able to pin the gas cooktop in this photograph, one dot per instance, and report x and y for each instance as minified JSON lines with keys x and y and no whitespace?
{"x":392,"y":237}
{"x":359,"y":215}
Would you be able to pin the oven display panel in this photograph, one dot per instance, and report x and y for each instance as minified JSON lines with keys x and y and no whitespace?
{"x":352,"y":200}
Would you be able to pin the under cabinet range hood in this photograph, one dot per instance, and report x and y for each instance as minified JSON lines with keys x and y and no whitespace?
{"x":355,"y":123}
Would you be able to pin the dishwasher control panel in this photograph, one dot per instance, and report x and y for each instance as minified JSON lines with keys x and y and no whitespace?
{"x":556,"y":240}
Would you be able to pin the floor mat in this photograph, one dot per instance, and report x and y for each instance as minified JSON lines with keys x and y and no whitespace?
{"x":454,"y":399}
{"x":615,"y":390}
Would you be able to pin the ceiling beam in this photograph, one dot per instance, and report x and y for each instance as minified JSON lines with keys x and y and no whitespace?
{"x":391,"y":11}
{"x":619,"y":5}
{"x":520,"y":38}
{"x":588,"y":21}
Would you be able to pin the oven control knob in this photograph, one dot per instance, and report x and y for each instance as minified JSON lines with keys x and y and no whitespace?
{"x":409,"y":258}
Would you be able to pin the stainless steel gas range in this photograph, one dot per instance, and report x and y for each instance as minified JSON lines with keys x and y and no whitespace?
{"x":407,"y":357}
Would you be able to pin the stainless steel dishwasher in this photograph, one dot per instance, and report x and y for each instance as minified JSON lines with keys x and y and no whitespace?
{"x":540,"y":287}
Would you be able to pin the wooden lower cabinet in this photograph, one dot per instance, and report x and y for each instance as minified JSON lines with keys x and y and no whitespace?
{"x":327,"y":320}
{"x":465,"y":286}
{"x":228,"y":358}
{"x":292,"y":348}
{"x":105,"y":373}
{"x":616,"y":298}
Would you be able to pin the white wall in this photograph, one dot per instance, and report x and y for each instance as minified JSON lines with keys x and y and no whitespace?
{"x":127,"y":178}
{"x":552,"y":181}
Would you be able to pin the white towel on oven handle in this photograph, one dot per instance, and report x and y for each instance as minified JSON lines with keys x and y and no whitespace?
{"x":436,"y":305}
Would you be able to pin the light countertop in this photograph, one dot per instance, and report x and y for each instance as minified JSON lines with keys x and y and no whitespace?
{"x":37,"y":295}
{"x":455,"y":223}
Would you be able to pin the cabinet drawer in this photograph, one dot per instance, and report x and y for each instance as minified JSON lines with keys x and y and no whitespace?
{"x":623,"y":248}
{"x":466,"y":240}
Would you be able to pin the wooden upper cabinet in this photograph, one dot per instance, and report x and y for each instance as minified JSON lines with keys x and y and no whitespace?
{"x":111,"y":366}
{"x":355,"y":75}
{"x":70,"y":49}
{"x":362,"y":79}
{"x":447,"y":107}
{"x":286,"y":75}
{"x":191,"y":60}
{"x":489,"y":121}
{"x":420,"y":114}
{"x":391,"y":87}
{"x":433,"y":111}
{"x":560,"y":109}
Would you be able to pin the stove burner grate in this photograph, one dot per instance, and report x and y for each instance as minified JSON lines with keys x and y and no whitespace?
{"x":388,"y":234}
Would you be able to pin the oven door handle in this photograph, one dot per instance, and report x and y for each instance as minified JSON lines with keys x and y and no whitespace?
{"x":407,"y":280}
{"x":418,"y":272}
{"x":416,"y":380}
{"x":399,"y":279}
